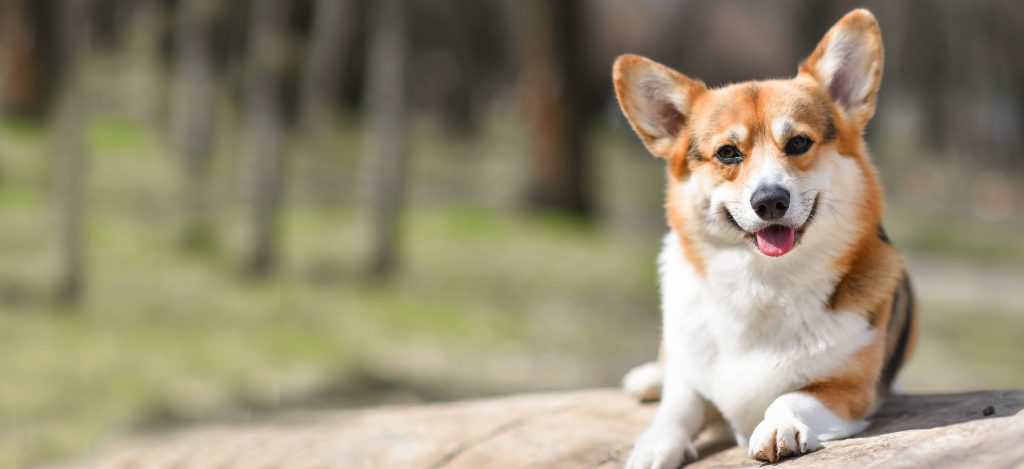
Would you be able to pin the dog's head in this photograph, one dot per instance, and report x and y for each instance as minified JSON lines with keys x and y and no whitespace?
{"x":756,"y":163}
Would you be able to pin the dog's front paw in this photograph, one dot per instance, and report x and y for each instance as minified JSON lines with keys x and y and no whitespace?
{"x":777,"y":438}
{"x":661,"y":447}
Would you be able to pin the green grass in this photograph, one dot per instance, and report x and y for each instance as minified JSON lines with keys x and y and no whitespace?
{"x":109,"y":133}
{"x":962,"y":347}
{"x":974,"y":241}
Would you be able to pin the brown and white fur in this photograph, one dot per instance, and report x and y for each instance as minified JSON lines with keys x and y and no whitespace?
{"x":786,"y":341}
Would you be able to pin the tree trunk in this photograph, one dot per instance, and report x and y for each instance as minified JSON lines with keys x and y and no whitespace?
{"x":70,"y":157}
{"x":553,"y":91}
{"x":321,"y":76}
{"x":192,"y":116}
{"x":30,"y":57}
{"x":386,"y":132}
{"x":266,"y":60}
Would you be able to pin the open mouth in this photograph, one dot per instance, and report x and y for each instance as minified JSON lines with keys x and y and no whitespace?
{"x":776,"y":240}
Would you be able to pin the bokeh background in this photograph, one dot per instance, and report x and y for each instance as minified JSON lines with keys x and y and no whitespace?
{"x":218,"y":209}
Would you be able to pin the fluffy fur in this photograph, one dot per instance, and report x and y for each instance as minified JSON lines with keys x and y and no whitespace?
{"x":785,"y":351}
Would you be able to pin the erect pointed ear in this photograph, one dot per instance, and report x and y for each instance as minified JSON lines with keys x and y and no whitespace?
{"x":655,"y":99}
{"x":848,"y":64}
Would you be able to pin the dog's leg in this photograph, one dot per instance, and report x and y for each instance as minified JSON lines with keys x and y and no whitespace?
{"x":668,"y":441}
{"x":828,"y":409}
{"x":796,"y":423}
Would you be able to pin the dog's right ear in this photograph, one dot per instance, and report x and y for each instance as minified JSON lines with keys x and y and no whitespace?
{"x":655,"y":99}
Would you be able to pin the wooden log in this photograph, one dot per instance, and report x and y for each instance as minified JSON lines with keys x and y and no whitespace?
{"x":578,"y":429}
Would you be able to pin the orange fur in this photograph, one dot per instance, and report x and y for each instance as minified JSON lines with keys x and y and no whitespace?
{"x":870,"y":279}
{"x":868,"y":288}
{"x":677,"y":221}
{"x":850,"y":391}
{"x":872,"y":269}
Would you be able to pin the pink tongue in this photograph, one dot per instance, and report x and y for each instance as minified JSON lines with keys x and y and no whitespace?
{"x":775,"y":240}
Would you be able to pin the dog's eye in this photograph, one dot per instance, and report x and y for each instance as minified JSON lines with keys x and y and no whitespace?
{"x":729,"y":154}
{"x":798,"y":145}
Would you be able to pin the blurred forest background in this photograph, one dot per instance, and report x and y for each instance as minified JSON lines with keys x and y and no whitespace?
{"x":212,"y":209}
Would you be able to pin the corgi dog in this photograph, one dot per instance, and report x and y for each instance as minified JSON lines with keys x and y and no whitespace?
{"x":786,"y":310}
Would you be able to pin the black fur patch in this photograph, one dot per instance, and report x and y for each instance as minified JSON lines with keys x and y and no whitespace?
{"x":900,"y":320}
{"x":882,"y":235}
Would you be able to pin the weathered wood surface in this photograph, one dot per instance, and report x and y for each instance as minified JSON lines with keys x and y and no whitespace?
{"x":585,"y":429}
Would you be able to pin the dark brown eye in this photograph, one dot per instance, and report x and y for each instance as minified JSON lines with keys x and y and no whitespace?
{"x":798,"y":145}
{"x":729,"y":154}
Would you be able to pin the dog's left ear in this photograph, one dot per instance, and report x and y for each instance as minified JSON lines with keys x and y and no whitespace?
{"x":848,"y":64}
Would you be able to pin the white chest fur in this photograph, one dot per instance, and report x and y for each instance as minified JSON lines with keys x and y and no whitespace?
{"x":752,"y":328}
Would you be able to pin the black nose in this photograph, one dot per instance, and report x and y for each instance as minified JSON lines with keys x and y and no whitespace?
{"x":770,"y":202}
